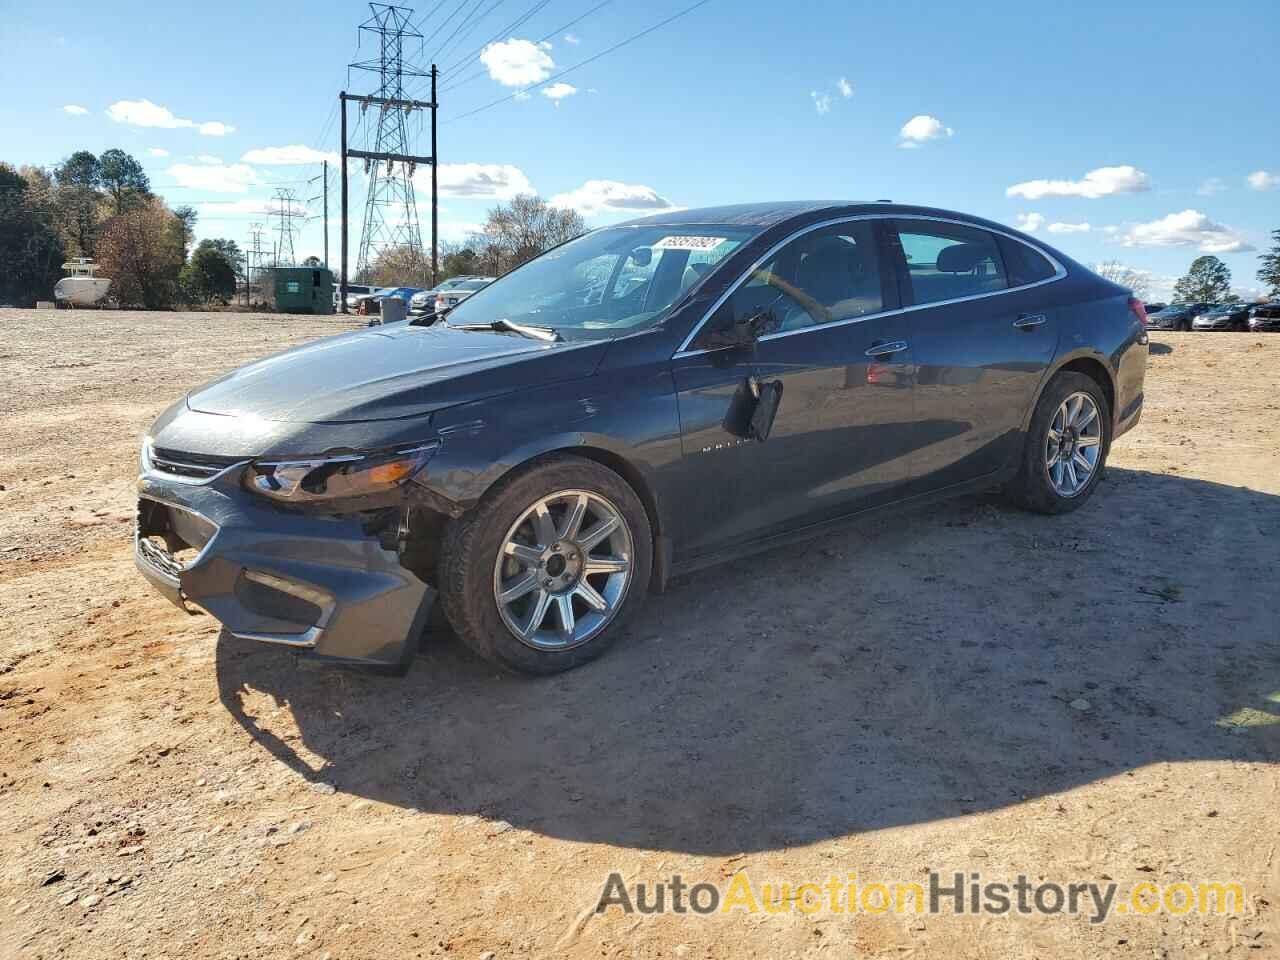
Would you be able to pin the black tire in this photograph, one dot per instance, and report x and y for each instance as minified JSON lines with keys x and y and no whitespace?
{"x":1031,"y":488}
{"x":469,"y":552}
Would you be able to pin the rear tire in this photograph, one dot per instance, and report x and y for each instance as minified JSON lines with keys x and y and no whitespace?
{"x":1048,"y":485}
{"x":570,"y":598}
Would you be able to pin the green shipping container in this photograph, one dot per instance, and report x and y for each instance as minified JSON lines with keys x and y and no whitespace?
{"x":303,"y":290}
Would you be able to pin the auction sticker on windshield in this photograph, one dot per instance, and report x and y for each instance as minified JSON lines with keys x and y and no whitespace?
{"x":688,"y":243}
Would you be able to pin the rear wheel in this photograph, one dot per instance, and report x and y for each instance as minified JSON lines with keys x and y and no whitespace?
{"x":546,"y":572}
{"x":1066,"y":447}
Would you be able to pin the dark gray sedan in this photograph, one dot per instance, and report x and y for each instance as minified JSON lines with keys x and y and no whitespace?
{"x":638,"y":403}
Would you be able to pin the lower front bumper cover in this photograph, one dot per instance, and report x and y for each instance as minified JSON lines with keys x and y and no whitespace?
{"x":320,"y":583}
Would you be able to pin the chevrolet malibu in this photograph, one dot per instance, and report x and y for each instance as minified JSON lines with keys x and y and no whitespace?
{"x":642,"y":401}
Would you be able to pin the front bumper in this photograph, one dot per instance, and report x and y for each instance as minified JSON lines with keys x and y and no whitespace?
{"x":1264,"y":326}
{"x":1211,"y":325}
{"x":330,"y":585}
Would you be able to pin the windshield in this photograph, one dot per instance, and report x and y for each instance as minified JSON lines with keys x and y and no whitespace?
{"x":472,"y":284}
{"x":611,"y":281}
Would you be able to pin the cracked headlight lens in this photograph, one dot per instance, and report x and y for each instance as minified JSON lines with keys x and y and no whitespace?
{"x":301,"y":479}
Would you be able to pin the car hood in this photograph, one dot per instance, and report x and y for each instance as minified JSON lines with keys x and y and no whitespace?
{"x":387,"y":374}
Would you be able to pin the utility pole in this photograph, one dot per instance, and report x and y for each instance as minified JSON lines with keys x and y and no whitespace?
{"x":342,"y":282}
{"x":435,"y":196}
{"x":391,"y":212}
{"x":324,"y":195}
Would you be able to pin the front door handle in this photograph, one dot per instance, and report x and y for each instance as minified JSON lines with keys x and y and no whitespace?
{"x":886,"y":348}
{"x":1029,"y":321}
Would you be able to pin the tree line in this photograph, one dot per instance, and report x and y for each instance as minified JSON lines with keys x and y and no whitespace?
{"x":513,"y":233}
{"x":102,"y":207}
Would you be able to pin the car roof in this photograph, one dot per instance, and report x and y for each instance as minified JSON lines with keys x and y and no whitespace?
{"x":766,"y":215}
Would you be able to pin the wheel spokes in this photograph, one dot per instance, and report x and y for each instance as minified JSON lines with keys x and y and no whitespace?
{"x":538,"y":614}
{"x":529,"y":556}
{"x":574,"y":518}
{"x":526,"y":584}
{"x":545,"y":561}
{"x":592,"y":538}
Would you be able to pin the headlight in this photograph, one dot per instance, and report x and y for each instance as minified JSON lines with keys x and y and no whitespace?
{"x":330,"y":478}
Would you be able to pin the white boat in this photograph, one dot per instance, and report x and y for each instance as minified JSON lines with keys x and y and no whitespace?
{"x":80,"y":287}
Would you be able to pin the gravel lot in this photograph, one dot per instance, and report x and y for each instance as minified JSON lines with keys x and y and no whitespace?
{"x":886,"y":701}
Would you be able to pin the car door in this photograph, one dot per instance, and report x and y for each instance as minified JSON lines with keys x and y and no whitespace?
{"x":839,"y":440}
{"x":984,"y":331}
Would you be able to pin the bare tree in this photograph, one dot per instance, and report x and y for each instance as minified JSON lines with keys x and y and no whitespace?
{"x":524,"y":228}
{"x":1117,"y":272}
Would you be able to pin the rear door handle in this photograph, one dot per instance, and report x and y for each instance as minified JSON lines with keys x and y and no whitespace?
{"x":886,"y":348}
{"x":1029,"y":321}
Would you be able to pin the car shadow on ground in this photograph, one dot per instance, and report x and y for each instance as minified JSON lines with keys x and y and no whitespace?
{"x":912,"y":667}
{"x":1159,"y":349}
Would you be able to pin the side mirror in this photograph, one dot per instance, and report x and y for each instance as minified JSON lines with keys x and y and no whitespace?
{"x":731,"y":331}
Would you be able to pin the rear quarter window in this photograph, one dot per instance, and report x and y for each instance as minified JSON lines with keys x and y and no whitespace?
{"x":1024,"y":265}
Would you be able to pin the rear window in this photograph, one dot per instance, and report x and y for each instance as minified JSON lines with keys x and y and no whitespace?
{"x":1023,"y":264}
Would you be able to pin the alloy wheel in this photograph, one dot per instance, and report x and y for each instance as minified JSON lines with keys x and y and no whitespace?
{"x":1073,"y":445}
{"x":563,"y":571}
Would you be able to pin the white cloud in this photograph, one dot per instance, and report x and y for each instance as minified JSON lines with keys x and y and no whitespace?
{"x":1101,"y":182}
{"x":208,"y":158}
{"x":572,"y":39}
{"x":821,"y":101}
{"x":608,"y":196}
{"x":518,"y":63}
{"x":1069,"y":228}
{"x":1029,"y":222}
{"x":1261,"y":180}
{"x":219,"y":178}
{"x":457,"y":231}
{"x":845,"y":87}
{"x":158,"y":152}
{"x":1211,"y":186}
{"x":558,"y":91}
{"x":921,"y":129}
{"x":222,"y":209}
{"x":144,"y":113}
{"x":477,"y":181}
{"x":1185,"y":229}
{"x":291,"y":156}
{"x":75,"y":110}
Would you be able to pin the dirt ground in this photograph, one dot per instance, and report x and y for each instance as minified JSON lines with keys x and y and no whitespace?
{"x":960,"y":688}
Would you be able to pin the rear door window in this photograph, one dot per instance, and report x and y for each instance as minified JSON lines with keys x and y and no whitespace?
{"x":946,"y":261}
{"x":1024,"y":265}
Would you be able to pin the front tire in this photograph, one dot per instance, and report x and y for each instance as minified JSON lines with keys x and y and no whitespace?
{"x":548,"y":570}
{"x":1066,"y":447}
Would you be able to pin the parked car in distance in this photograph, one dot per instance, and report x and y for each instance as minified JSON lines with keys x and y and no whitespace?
{"x":640,"y":402}
{"x":1265,"y":318}
{"x":1154,"y":307}
{"x":424,"y":301}
{"x":1177,"y":316}
{"x":354,"y":292}
{"x":448,"y":299}
{"x":1223,"y":316}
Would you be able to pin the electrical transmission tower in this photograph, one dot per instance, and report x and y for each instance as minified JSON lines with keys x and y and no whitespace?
{"x":286,"y":213}
{"x":391,"y":211}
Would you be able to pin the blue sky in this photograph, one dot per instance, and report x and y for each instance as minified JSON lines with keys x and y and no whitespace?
{"x":1000,"y":109}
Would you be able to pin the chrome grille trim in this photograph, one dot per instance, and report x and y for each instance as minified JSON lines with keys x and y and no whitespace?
{"x":187,"y":467}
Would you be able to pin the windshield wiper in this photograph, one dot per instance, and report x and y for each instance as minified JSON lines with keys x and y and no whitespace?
{"x":502,"y":325}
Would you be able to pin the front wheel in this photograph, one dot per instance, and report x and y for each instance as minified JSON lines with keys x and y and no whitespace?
{"x":545,"y":573}
{"x":1066,"y":447}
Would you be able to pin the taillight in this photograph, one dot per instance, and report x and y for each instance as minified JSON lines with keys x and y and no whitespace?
{"x":1138,"y":309}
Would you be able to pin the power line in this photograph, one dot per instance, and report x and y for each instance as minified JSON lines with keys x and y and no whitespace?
{"x":465,"y":28}
{"x":617,"y":46}
{"x":505,"y":31}
{"x":476,"y":75}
